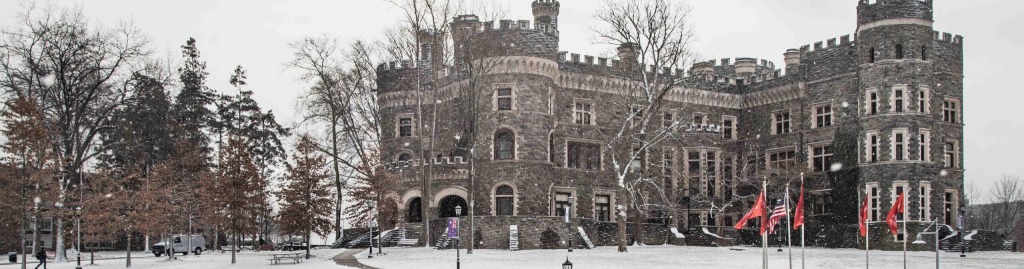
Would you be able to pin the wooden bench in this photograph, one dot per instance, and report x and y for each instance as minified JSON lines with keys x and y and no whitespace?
{"x":228,"y":249}
{"x":293,"y":257}
{"x":407,"y":242}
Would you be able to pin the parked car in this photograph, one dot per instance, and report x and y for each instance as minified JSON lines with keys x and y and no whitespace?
{"x":179,"y":245}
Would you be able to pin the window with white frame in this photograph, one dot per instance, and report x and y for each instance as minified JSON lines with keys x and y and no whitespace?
{"x":924,"y":196}
{"x":668,"y":119}
{"x":899,"y":145}
{"x":700,"y":118}
{"x":924,"y":142}
{"x":821,"y":158}
{"x":871,"y":101}
{"x":504,"y":201}
{"x":639,"y":158}
{"x":583,"y":112}
{"x":693,"y":168}
{"x":950,"y":110}
{"x":822,"y":115}
{"x":729,"y":127}
{"x":562,"y":203}
{"x":636,"y":114}
{"x":871,"y":143}
{"x":900,"y":188}
{"x":898,"y":99}
{"x":874,"y":205}
{"x":949,"y":206}
{"x":504,"y":99}
{"x":780,"y":160}
{"x":711,"y":174}
{"x":950,"y":154}
{"x":781,"y":122}
{"x":603,"y":207}
{"x":924,"y":100}
{"x":727,"y":177}
{"x":405,"y":126}
{"x":582,"y":155}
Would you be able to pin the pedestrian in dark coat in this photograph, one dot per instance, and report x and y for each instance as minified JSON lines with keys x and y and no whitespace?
{"x":41,"y":255}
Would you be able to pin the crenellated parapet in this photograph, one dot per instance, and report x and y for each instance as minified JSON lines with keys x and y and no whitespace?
{"x":829,"y":44}
{"x":735,"y":71}
{"x":943,"y":37}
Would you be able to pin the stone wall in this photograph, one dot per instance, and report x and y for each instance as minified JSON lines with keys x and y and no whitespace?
{"x":493,"y":232}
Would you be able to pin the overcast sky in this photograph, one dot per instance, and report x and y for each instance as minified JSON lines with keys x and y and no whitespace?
{"x":255,"y":34}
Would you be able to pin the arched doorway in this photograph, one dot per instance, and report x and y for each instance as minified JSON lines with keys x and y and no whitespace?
{"x":414,"y":212}
{"x":446,"y":209}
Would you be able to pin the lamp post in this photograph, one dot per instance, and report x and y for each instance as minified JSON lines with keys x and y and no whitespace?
{"x":960,"y":226}
{"x":371,"y":225}
{"x":568,"y":223}
{"x":78,"y":248}
{"x":24,"y":218}
{"x":380,"y":234}
{"x":920,"y":240}
{"x":458,"y":260}
{"x":567,"y":264}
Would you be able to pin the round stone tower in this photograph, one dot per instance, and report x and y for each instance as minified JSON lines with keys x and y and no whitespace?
{"x":903,"y":134}
{"x":545,"y":15}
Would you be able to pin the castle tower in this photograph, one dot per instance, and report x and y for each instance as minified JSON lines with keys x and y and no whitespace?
{"x":545,"y":15}
{"x":463,"y":28}
{"x":907,"y":145}
{"x":431,"y":49}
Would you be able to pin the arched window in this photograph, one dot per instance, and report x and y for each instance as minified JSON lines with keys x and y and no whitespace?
{"x":504,"y":145}
{"x":899,"y":51}
{"x":871,"y":55}
{"x":503,"y":201}
{"x":404,"y":157}
{"x":414,"y":211}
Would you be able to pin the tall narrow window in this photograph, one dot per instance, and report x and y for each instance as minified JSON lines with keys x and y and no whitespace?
{"x":693,"y":168}
{"x":504,"y":203}
{"x":924,"y":141}
{"x":603,"y":207}
{"x":727,"y":178}
{"x":668,"y":119}
{"x":897,"y":100}
{"x":551,"y":148}
{"x":582,"y":155}
{"x":822,"y":116}
{"x":898,"y":189}
{"x":405,"y":126}
{"x":923,"y":97}
{"x":872,"y":146}
{"x":504,"y":145}
{"x":924,"y":198}
{"x":711,"y":174}
{"x":949,"y":200}
{"x":504,"y":98}
{"x":899,"y":51}
{"x":821,"y":158}
{"x":729,"y":127}
{"x":781,"y":122}
{"x":871,"y":55}
{"x":583,"y":113}
{"x":873,"y":201}
{"x":950,"y":111}
{"x":562,"y":203}
{"x":949,"y":155}
{"x":872,"y":102}
{"x":924,"y":53}
{"x":899,"y":145}
{"x":639,"y":159}
{"x":668,"y":170}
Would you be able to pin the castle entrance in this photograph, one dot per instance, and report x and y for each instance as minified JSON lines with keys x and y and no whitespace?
{"x":447,"y":207}
{"x":414,"y":212}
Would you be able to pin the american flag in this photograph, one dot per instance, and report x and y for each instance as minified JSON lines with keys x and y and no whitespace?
{"x":778,"y":213}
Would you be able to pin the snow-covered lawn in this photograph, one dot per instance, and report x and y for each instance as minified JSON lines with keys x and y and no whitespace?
{"x":650,"y":257}
{"x":246,"y":260}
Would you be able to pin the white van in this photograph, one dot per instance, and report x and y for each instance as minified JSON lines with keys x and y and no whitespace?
{"x":179,"y":245}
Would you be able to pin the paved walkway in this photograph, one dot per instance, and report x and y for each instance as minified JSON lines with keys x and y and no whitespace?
{"x":348,"y":258}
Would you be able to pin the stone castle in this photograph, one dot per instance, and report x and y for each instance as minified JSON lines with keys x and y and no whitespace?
{"x":871,"y":114}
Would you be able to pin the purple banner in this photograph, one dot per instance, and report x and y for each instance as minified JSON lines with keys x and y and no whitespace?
{"x":453,"y":227}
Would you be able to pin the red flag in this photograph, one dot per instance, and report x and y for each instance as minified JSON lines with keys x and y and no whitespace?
{"x":897,"y":208}
{"x":864,"y":217}
{"x":756,"y":211}
{"x":798,"y":214}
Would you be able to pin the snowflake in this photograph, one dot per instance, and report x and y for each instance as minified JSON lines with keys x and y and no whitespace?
{"x":943,"y":173}
{"x":836,"y":167}
{"x":846,"y":104}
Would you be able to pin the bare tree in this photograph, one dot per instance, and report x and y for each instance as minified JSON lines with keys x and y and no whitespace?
{"x":85,"y":69}
{"x":655,"y":34}
{"x":1006,"y":200}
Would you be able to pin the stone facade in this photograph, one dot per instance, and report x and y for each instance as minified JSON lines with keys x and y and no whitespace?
{"x":885,"y":103}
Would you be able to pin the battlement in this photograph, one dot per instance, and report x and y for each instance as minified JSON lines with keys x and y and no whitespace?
{"x":604,"y":62}
{"x":947,"y":37}
{"x":871,"y":11}
{"x":883,"y":2}
{"x":828,"y":44}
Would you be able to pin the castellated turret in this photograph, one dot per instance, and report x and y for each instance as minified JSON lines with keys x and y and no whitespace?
{"x":545,"y":15}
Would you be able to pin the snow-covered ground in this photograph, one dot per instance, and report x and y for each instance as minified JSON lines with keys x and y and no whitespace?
{"x":246,"y":260}
{"x":650,"y":257}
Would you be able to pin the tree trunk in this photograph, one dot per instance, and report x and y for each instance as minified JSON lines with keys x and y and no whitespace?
{"x":337,"y":179}
{"x":620,"y":217}
{"x":60,"y":256}
{"x":234,"y":247}
{"x":307,"y":244}
{"x":128,"y":261}
{"x":216,"y":238}
{"x":145,"y":243}
{"x":638,"y":225}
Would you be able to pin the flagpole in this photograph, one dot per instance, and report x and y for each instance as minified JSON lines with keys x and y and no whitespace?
{"x":764,"y":235}
{"x":904,"y":209}
{"x":789,"y":232}
{"x":802,"y":225}
{"x":867,"y":230}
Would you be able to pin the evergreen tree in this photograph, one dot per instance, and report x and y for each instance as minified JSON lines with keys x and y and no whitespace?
{"x":242,"y":190}
{"x":191,"y":112}
{"x":306,"y":199}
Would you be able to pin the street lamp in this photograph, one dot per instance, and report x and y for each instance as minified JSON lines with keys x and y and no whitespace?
{"x":960,"y":226}
{"x":458,"y":260}
{"x":568,"y":223}
{"x":567,"y":264}
{"x":78,"y":249}
{"x":920,"y":239}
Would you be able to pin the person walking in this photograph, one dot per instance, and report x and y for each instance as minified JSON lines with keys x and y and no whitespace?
{"x":41,"y":255}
